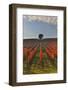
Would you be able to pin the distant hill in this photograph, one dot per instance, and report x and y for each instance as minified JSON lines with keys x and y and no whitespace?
{"x":33,"y":39}
{"x":33,"y":42}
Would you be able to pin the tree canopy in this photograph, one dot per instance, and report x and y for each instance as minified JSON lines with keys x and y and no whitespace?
{"x":40,"y":36}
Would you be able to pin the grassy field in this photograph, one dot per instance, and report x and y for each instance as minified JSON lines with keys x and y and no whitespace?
{"x":46,"y":66}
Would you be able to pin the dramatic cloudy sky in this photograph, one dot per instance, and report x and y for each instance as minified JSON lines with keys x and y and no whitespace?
{"x":35,"y":25}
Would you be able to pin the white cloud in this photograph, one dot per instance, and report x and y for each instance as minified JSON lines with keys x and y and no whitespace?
{"x":48,"y":19}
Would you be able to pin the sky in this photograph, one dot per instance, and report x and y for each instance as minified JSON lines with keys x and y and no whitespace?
{"x":35,"y":25}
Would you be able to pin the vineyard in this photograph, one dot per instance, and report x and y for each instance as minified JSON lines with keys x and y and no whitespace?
{"x":39,"y":58}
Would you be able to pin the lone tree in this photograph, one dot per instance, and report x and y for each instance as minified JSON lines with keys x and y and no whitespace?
{"x":40,"y":37}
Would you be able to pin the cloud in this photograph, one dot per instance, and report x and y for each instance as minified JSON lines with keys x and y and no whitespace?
{"x":48,"y":19}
